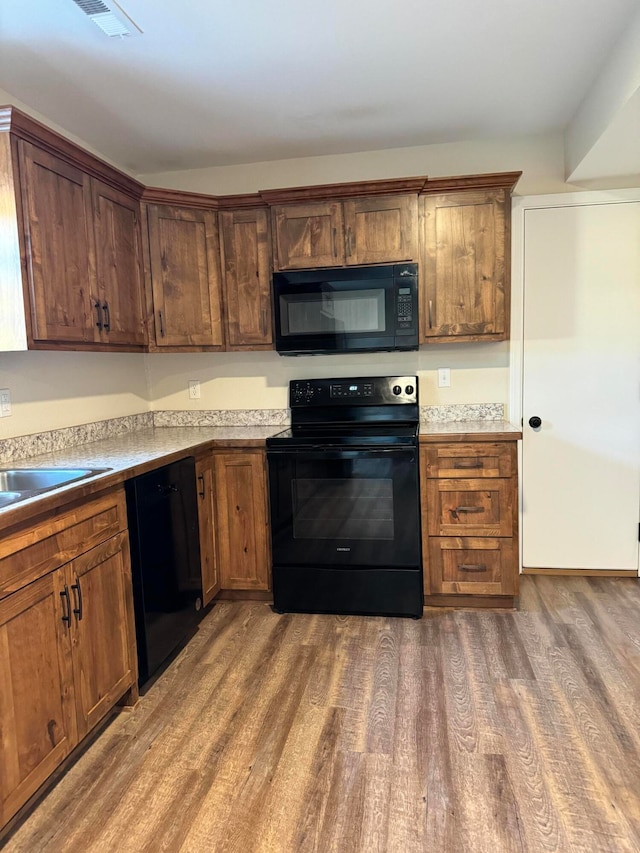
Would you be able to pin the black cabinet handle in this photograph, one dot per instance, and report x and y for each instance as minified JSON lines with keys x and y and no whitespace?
{"x":201,"y":478}
{"x":160,"y":318}
{"x":335,"y":244}
{"x":468,"y":509}
{"x":98,"y":307}
{"x":66,"y":613}
{"x":471,"y":567}
{"x":77,"y":591}
{"x":535,"y":422}
{"x":107,"y":317}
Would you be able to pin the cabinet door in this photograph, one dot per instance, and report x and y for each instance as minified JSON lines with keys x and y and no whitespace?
{"x":241,"y":511}
{"x":464,"y":277}
{"x":37,"y":710}
{"x":381,"y":230}
{"x":205,"y":476}
{"x":104,"y":659}
{"x":118,"y":265}
{"x":56,"y":201}
{"x":308,"y":235}
{"x":185,"y":279}
{"x":247,"y":278}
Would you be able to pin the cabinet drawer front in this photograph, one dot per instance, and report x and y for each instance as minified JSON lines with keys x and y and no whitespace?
{"x":469,"y":507}
{"x":472,"y":566}
{"x":36,"y":550}
{"x":481,"y":459}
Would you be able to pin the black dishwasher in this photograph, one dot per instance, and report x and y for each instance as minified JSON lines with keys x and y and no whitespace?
{"x":165,"y":560}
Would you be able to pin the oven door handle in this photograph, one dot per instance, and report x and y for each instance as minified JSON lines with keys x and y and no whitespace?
{"x":321,"y":453}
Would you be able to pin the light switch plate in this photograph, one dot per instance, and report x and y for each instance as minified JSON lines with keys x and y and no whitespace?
{"x":194,"y":389}
{"x":444,"y":377}
{"x":5,"y":403}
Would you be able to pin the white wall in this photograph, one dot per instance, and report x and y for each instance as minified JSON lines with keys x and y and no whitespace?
{"x":540,"y":158}
{"x":259,"y":380}
{"x":51,"y":390}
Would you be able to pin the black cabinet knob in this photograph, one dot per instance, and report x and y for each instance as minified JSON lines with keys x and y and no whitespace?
{"x":409,"y":389}
{"x":397,"y":390}
{"x":535,"y":422}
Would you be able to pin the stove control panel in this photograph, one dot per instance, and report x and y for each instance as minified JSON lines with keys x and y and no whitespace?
{"x":362,"y":391}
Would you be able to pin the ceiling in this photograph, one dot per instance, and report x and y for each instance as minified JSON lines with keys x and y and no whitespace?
{"x":219,"y":83}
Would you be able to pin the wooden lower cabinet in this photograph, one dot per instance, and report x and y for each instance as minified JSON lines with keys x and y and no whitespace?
{"x":241,"y":515}
{"x":37,"y":698}
{"x":205,"y":477}
{"x":470,"y":525}
{"x":102,"y":629}
{"x":472,"y":566}
{"x":67,"y":647}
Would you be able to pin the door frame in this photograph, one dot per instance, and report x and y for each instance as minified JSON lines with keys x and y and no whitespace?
{"x":520,"y":205}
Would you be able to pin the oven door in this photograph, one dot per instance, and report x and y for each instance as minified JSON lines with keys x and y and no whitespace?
{"x":351,"y":508}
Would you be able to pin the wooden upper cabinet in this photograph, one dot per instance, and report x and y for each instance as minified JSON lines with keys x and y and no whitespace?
{"x":58,"y":229}
{"x":246,"y":268}
{"x":37,"y":700}
{"x":185,"y":279}
{"x":464,"y":279}
{"x":118,"y":266}
{"x":381,"y":230}
{"x":370,"y":230}
{"x":308,"y":235}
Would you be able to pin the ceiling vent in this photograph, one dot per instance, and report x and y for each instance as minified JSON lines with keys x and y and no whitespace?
{"x":111,"y":19}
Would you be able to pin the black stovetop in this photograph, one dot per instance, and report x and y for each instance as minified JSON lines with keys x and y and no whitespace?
{"x":361,"y":412}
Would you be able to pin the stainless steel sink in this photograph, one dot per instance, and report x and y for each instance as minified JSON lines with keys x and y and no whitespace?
{"x":7,"y":498}
{"x":18,"y":484}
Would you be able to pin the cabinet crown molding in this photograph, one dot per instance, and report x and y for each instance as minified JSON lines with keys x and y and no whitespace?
{"x":22,"y":126}
{"x":354,"y":189}
{"x":490,"y":180}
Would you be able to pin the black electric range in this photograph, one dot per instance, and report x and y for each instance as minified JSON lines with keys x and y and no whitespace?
{"x":344,"y":497}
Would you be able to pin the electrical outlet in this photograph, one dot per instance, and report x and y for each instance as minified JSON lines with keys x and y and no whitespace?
{"x":444,"y":377}
{"x":194,"y":389}
{"x":5,"y":403}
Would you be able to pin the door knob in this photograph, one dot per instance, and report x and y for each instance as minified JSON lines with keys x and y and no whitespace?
{"x":535,"y":422}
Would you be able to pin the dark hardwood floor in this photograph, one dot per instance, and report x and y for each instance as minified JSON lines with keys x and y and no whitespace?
{"x":466,"y":731}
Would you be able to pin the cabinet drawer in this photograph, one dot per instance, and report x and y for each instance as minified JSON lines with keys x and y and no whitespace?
{"x":481,"y":459}
{"x":470,"y":507}
{"x":37,"y":549}
{"x":472,"y":566}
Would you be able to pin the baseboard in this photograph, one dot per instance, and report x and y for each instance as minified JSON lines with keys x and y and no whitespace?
{"x":584,"y":573}
{"x":488,"y":602}
{"x":244,"y":595}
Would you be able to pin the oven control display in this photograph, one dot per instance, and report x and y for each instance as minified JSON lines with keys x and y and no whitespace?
{"x":351,"y":389}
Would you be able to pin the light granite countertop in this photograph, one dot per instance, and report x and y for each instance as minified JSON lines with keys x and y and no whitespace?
{"x":127,"y":456}
{"x":468,"y":431}
{"x":135,"y":453}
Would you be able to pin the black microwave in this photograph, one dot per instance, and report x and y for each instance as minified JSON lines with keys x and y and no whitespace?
{"x":357,"y":309}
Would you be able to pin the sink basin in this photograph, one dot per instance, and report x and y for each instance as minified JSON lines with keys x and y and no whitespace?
{"x":7,"y":498}
{"x":36,"y":479}
{"x":18,"y":484}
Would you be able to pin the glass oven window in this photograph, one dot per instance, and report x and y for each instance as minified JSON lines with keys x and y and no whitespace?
{"x":333,"y":312}
{"x":342,"y":509}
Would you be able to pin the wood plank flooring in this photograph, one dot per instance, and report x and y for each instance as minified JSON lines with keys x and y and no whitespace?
{"x":465,"y":731}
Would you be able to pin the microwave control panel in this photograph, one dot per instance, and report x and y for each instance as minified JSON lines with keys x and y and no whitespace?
{"x":406,"y":309}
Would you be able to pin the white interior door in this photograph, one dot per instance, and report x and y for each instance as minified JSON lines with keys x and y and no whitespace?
{"x":581,"y":376}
